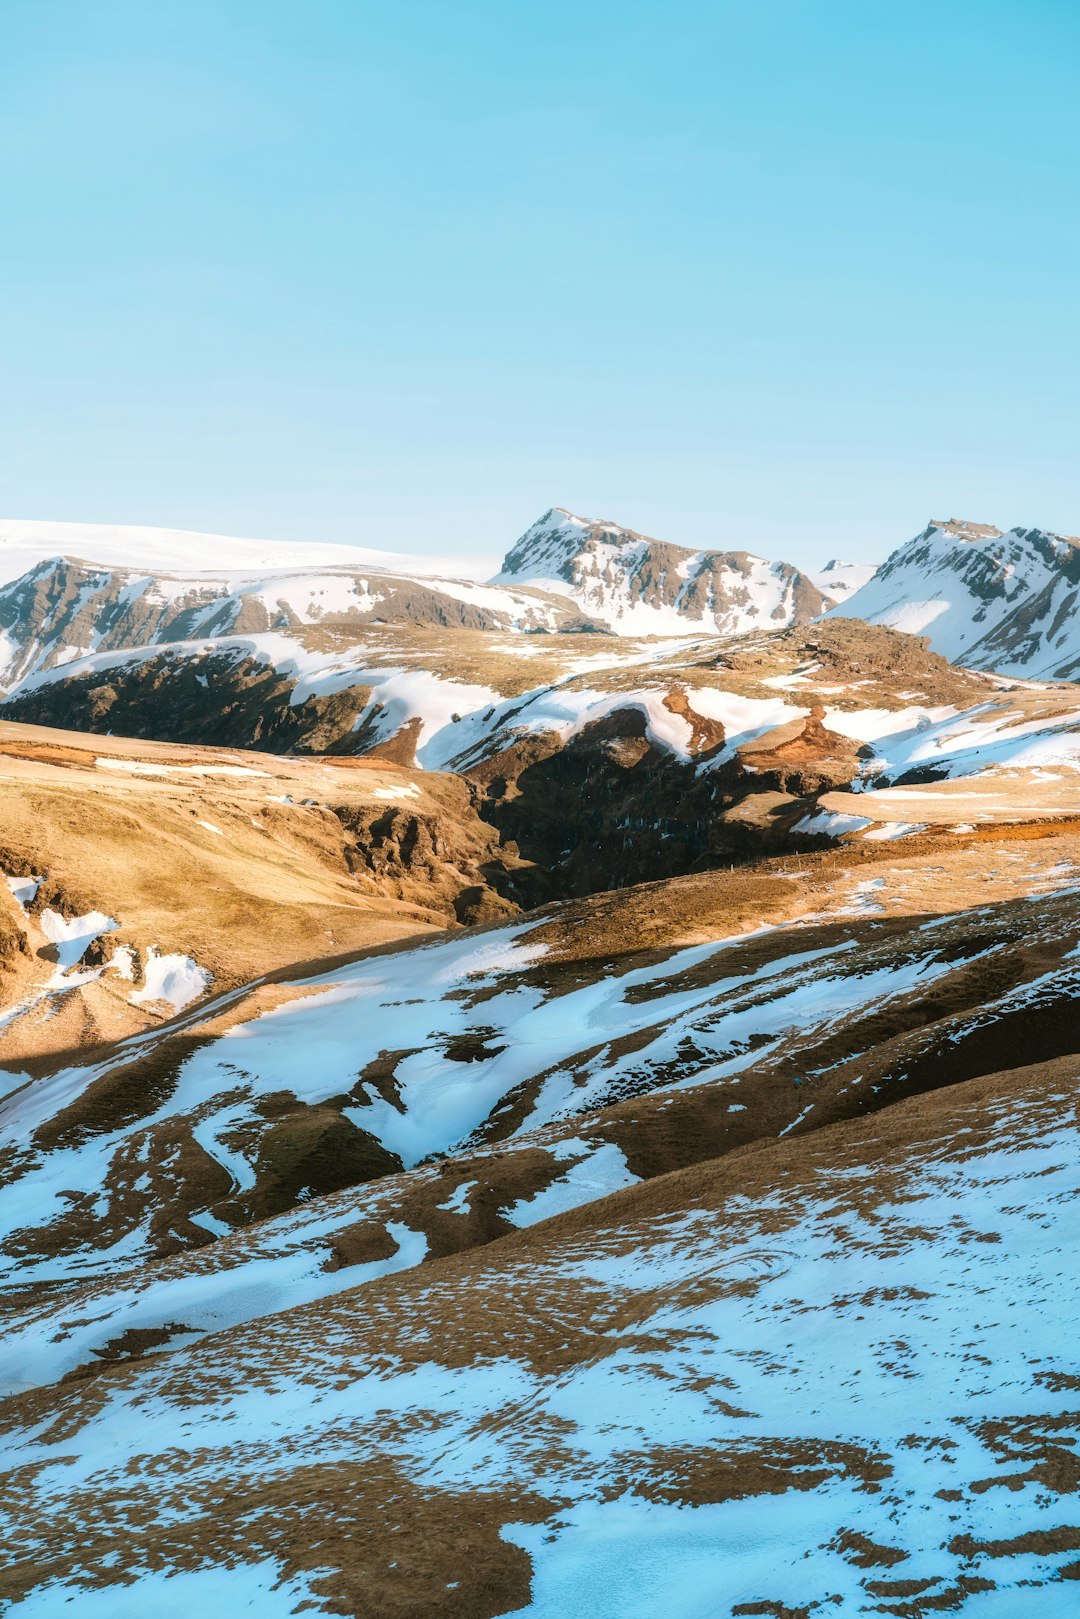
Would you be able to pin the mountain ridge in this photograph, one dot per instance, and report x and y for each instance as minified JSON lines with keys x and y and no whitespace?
{"x":640,"y":585}
{"x":1006,"y":601}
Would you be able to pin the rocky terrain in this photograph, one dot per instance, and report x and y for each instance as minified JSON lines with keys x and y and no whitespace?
{"x":500,"y":1117}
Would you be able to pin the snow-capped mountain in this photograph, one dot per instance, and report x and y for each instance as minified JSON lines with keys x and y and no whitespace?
{"x":63,"y":609}
{"x":984,"y":598}
{"x":642,"y":586}
{"x":68,"y":590}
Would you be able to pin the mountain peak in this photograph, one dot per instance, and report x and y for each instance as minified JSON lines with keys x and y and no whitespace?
{"x":639,"y":585}
{"x":984,"y":598}
{"x":964,"y":530}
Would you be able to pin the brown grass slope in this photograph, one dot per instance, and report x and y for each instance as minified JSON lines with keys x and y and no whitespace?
{"x":257,"y":863}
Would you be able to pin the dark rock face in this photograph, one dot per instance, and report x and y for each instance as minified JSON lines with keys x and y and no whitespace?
{"x":609,"y":809}
{"x":218,"y":700}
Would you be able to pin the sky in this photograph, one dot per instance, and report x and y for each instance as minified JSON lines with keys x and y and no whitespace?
{"x":787,"y":275}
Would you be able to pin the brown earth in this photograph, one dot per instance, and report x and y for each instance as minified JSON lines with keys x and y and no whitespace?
{"x":220,"y":867}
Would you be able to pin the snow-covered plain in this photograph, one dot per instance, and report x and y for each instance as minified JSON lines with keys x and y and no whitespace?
{"x":23,"y":545}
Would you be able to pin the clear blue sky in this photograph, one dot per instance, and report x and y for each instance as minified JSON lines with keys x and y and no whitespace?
{"x":787,"y":274}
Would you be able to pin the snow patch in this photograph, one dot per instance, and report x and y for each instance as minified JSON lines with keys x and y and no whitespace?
{"x":173,"y":978}
{"x":24,"y":889}
{"x":73,"y":937}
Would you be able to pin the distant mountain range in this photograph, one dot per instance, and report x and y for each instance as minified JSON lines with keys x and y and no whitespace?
{"x":73,"y":590}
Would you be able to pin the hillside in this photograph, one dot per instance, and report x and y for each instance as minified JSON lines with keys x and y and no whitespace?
{"x":63,"y":610}
{"x":140,"y":877}
{"x":602,"y":761}
{"x":691,"y":1205}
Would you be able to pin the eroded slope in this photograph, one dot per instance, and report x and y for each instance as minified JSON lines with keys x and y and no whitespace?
{"x":143,"y":876}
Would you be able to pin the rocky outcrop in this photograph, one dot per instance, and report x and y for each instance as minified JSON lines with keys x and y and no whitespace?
{"x":610,"y":808}
{"x":229,"y":699}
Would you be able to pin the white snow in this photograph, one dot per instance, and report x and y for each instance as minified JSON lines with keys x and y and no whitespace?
{"x":458,"y":1201}
{"x":406,"y":791}
{"x":839,"y":580}
{"x":260,"y":1589}
{"x":595,"y":1174}
{"x":122,"y":961}
{"x":826,"y":823}
{"x":24,"y":544}
{"x":173,"y":977}
{"x":73,"y":936}
{"x":893,"y":829}
{"x":24,"y":889}
{"x":142,"y":767}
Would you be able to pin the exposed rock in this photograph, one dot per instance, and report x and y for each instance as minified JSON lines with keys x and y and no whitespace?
{"x":644,"y":586}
